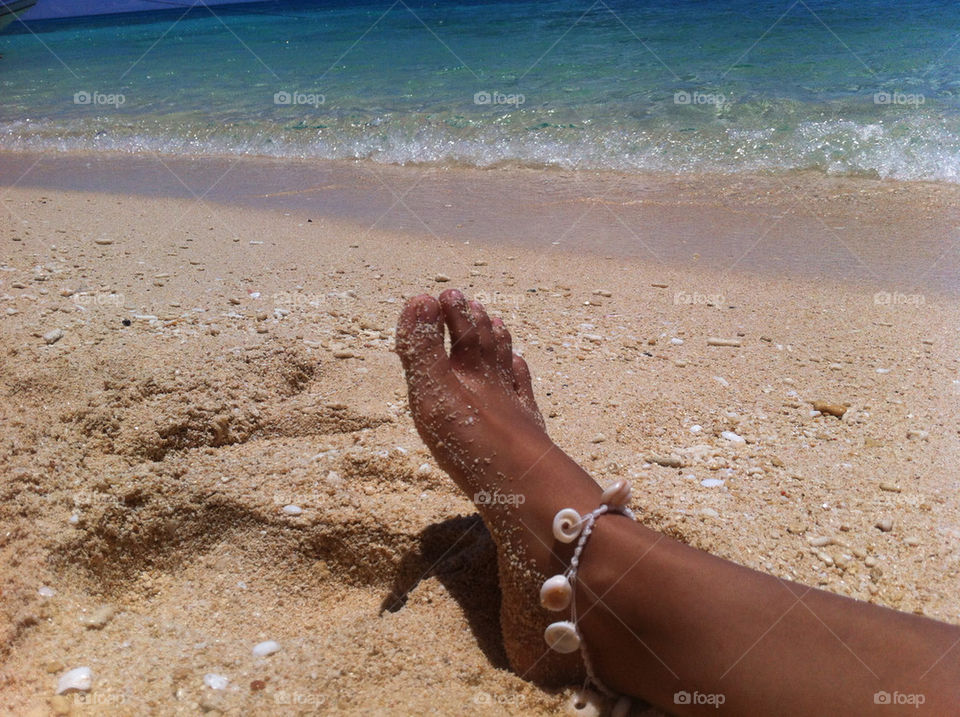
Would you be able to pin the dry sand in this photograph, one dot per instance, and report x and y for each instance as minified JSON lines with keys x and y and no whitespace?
{"x":146,"y":468}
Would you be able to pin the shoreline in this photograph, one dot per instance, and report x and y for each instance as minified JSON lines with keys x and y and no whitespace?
{"x":890,"y":235}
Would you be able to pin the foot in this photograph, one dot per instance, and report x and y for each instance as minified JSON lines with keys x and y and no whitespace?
{"x":475,"y":410}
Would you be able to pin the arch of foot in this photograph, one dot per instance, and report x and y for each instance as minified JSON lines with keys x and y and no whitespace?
{"x":557,"y":594}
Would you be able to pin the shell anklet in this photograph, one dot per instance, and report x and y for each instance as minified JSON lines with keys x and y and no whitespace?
{"x":558,"y":592}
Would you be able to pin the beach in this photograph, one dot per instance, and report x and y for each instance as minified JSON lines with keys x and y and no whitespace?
{"x":207,"y":444}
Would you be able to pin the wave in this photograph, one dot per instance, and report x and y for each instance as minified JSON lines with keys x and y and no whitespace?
{"x":914,"y":147}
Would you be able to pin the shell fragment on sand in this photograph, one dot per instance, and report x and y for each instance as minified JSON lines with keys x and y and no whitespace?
{"x":833,"y":409}
{"x":51,"y":337}
{"x":215,"y":681}
{"x":733,"y":343}
{"x":265,"y":648}
{"x":670,"y":461}
{"x":79,"y":679}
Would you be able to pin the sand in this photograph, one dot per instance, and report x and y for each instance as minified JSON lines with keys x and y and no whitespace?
{"x":148,"y":469}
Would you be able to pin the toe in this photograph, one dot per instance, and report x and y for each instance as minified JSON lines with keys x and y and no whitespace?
{"x":503,"y":349}
{"x":523,"y":384}
{"x":420,"y":340}
{"x":465,"y":345}
{"x":484,"y":326}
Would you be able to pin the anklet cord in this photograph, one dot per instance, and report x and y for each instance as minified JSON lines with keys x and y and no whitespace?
{"x":560,"y":591}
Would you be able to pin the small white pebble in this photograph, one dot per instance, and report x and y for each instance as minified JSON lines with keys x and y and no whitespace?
{"x":733,"y":437}
{"x":711,"y":482}
{"x":696,"y":428}
{"x":79,"y":679}
{"x":215,"y":681}
{"x":266,"y":648}
{"x":292,"y":509}
{"x":883,"y":370}
{"x":676,"y":342}
{"x":46,"y":591}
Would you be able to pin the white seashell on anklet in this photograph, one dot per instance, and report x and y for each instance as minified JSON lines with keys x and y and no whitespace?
{"x":562,"y":637}
{"x":586,"y":703}
{"x":617,"y":495}
{"x":566,"y":525}
{"x":555,"y":593}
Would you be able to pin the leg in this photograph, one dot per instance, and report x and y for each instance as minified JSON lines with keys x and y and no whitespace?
{"x":657,"y":617}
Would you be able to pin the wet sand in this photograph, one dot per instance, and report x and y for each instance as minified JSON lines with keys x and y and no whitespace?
{"x":150,"y":470}
{"x":895,"y":236}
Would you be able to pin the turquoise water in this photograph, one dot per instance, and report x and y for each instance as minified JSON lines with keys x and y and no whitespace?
{"x":870,"y":88}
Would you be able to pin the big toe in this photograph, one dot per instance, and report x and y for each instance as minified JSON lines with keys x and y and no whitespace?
{"x":420,"y":340}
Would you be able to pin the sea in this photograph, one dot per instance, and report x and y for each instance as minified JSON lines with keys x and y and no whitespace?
{"x":865,"y":89}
